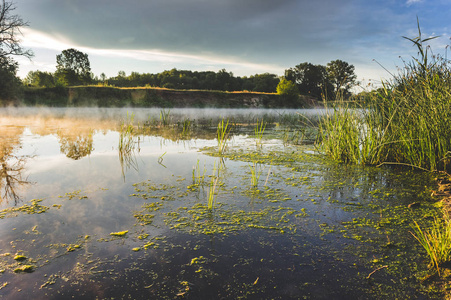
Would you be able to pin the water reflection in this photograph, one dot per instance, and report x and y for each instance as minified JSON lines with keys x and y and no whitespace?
{"x":12,"y":167}
{"x":11,"y":178}
{"x":76,"y":146}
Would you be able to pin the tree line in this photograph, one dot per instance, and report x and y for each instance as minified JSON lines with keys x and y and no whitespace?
{"x":317,"y":81}
{"x":73,"y":69}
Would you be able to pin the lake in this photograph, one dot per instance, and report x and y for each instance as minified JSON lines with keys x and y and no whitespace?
{"x":147,"y":204}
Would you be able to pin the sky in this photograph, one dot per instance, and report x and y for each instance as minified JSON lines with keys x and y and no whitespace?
{"x":245,"y":37}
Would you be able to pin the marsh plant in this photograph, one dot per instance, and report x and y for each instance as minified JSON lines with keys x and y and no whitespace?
{"x":198,"y":175}
{"x":259,"y":131}
{"x":404,"y":122}
{"x":186,"y":126}
{"x":214,"y":185}
{"x":256,"y":171}
{"x":293,"y":136}
{"x":164,"y":117}
{"x":436,"y":241}
{"x":127,"y":144}
{"x":223,"y":132}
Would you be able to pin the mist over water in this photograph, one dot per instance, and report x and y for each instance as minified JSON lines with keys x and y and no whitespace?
{"x":146,"y":114}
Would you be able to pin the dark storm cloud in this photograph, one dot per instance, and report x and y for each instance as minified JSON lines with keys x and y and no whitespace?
{"x":240,"y":33}
{"x":233,"y":27}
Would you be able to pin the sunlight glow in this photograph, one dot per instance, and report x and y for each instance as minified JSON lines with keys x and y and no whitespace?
{"x":37,"y":39}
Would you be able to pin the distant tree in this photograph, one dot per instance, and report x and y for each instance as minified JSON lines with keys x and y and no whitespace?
{"x":310,"y":79}
{"x":224,"y":81}
{"x":289,"y":91}
{"x":73,"y":67}
{"x":10,"y":25}
{"x":266,"y":83}
{"x":40,"y":79}
{"x":9,"y":83}
{"x":342,"y":76}
{"x":103,"y":78}
{"x":10,"y":31}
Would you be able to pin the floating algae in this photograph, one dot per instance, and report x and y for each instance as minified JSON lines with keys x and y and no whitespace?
{"x":34,"y":208}
{"x":119,"y":233}
{"x":19,"y":257}
{"x":24,"y":269}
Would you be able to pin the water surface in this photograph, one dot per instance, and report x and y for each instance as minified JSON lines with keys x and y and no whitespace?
{"x":309,"y":228}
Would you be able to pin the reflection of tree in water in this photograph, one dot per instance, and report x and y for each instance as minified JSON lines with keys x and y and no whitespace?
{"x":11,"y":178}
{"x":76,"y":146}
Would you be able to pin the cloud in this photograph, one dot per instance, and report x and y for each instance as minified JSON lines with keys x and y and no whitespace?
{"x":40,"y":40}
{"x":410,"y":2}
{"x":244,"y":36}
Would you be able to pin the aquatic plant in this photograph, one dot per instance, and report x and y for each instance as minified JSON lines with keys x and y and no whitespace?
{"x":259,"y":130}
{"x":198,"y":177}
{"x":223,"y":132}
{"x":164,"y":117}
{"x":24,"y":269}
{"x":212,"y":194}
{"x":436,"y":241}
{"x":119,"y":233}
{"x":256,"y":171}
{"x":127,"y":144}
{"x":404,"y":122}
{"x":160,"y":159}
{"x":346,"y":137}
{"x":186,"y":126}
{"x":293,"y":136}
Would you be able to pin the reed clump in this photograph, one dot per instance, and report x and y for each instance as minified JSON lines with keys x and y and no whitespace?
{"x":198,"y":175}
{"x":436,"y":241}
{"x":128,"y":142}
{"x":214,"y":184}
{"x":404,"y":122}
{"x":259,"y":130}
{"x":223,"y":132}
{"x":256,"y":171}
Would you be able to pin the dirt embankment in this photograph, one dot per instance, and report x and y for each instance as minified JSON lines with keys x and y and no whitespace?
{"x":155,"y":97}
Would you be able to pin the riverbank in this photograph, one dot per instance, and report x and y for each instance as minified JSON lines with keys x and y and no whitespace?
{"x":155,"y":97}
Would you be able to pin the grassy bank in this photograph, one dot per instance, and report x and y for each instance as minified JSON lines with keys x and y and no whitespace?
{"x":152,"y":97}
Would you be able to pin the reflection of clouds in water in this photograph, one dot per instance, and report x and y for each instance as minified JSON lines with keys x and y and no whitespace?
{"x":46,"y":163}
{"x":34,"y":144}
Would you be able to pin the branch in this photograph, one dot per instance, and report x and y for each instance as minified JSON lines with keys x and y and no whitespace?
{"x":383,"y":267}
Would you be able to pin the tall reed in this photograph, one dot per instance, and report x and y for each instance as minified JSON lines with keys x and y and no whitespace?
{"x":259,"y":130}
{"x":212,"y":193}
{"x":436,"y":241}
{"x":256,"y":171}
{"x":404,"y":122}
{"x":164,"y":117}
{"x":127,"y":144}
{"x":223,"y":132}
{"x":198,"y":176}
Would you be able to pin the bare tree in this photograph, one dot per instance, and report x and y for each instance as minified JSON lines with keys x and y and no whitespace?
{"x":10,"y":25}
